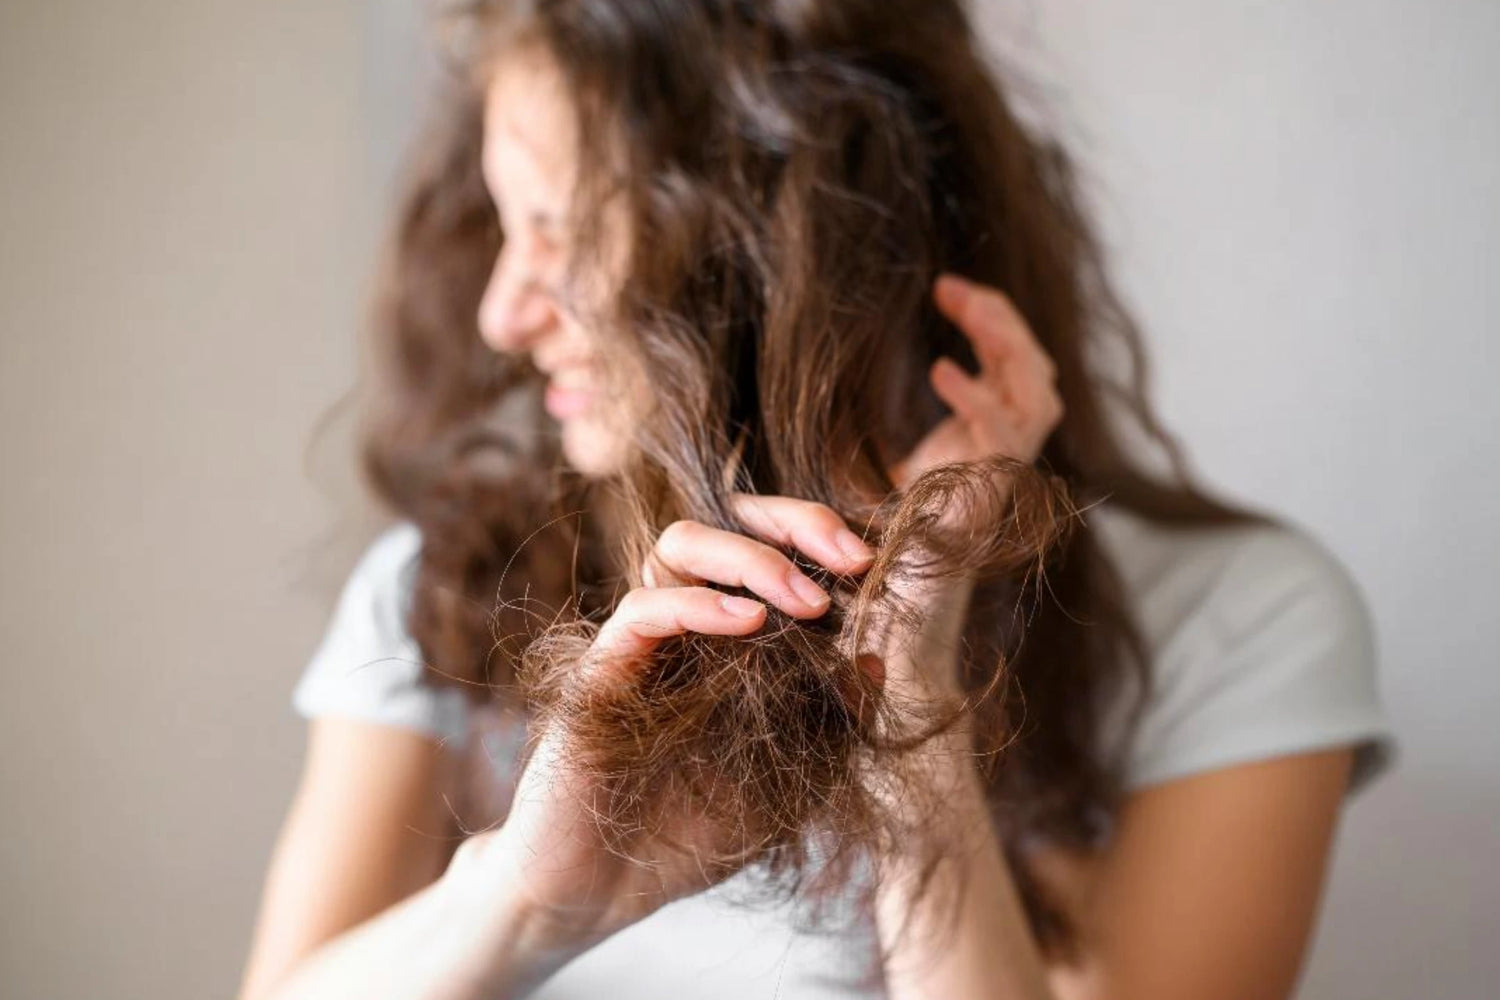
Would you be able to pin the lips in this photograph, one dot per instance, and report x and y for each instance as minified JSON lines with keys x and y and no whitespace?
{"x":570,"y":382}
{"x":564,"y":401}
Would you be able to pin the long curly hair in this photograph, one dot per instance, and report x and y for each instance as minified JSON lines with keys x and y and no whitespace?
{"x":796,"y":173}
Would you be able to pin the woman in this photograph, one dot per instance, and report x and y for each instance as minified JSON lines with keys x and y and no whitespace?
{"x":722,"y":222}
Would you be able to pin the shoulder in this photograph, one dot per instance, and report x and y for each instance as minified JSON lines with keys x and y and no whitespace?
{"x":1260,"y":642}
{"x":367,"y":664}
{"x":1228,"y":578}
{"x":393,"y":551}
{"x":376,"y":597}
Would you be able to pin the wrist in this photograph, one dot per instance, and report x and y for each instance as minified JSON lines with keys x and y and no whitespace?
{"x":516,"y":948}
{"x":922,"y":664}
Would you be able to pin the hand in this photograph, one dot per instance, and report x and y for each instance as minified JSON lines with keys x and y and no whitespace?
{"x":1009,"y":408}
{"x":558,"y":886}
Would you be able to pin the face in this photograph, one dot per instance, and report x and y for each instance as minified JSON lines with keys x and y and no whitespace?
{"x":530,"y":165}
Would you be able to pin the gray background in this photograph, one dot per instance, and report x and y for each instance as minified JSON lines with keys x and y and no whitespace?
{"x":1302,"y":204}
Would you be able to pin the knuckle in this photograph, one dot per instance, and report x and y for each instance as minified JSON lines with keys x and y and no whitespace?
{"x":632,"y":604}
{"x":771,"y":577}
{"x":822,"y":516}
{"x":702,"y":597}
{"x":741,"y":501}
{"x":674,"y":535}
{"x":827,"y":513}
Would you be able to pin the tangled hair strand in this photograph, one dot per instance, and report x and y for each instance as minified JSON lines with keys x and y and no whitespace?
{"x":795,"y":173}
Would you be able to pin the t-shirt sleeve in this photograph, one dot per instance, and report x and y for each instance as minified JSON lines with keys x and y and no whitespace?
{"x":367,"y":665}
{"x":1279,"y":658}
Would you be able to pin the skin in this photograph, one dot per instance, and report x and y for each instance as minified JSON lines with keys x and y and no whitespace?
{"x":528,"y":155}
{"x":1230,"y":861}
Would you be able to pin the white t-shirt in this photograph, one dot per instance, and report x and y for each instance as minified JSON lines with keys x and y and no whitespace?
{"x":1260,"y":644}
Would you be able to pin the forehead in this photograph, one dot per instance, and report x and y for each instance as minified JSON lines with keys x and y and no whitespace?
{"x":529,"y":120}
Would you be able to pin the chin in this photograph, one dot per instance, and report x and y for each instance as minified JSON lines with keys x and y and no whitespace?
{"x":592,"y":449}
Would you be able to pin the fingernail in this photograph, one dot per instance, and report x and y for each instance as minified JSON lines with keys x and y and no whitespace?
{"x":740,"y":607}
{"x":810,"y":592}
{"x":852,"y":546}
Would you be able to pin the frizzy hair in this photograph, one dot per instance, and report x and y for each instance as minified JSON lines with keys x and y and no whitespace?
{"x":796,"y":173}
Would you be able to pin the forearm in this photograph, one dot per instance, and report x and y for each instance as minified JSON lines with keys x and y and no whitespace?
{"x":450,"y":941}
{"x":966,"y":937}
{"x":984,"y":948}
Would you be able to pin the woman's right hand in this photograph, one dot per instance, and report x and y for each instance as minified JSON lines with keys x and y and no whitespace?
{"x":545,"y":881}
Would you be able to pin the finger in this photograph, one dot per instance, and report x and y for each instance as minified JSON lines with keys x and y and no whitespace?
{"x":975,"y":400}
{"x":690,"y":550}
{"x":991,"y":423}
{"x":655,"y":573}
{"x":814,"y":529}
{"x":647,"y":616}
{"x":1003,"y":341}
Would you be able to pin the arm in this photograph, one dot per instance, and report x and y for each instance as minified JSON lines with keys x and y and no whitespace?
{"x":984,"y":947}
{"x":1212,"y":882}
{"x":518,"y":902}
{"x":464,"y":937}
{"x":366,"y":828}
{"x":1209,"y":889}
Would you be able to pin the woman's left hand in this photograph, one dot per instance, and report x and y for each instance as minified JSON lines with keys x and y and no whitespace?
{"x":1009,"y":408}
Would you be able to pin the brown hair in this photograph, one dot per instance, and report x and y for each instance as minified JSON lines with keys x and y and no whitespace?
{"x":797,"y":172}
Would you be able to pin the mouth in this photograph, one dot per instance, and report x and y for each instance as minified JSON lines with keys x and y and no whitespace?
{"x":564,"y":401}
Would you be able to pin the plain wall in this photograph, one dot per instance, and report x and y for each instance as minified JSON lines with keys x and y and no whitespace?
{"x":1303,"y":201}
{"x":185,"y":215}
{"x":1302,"y":204}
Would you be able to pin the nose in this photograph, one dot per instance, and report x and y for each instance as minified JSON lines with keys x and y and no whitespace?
{"x":516,"y":308}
